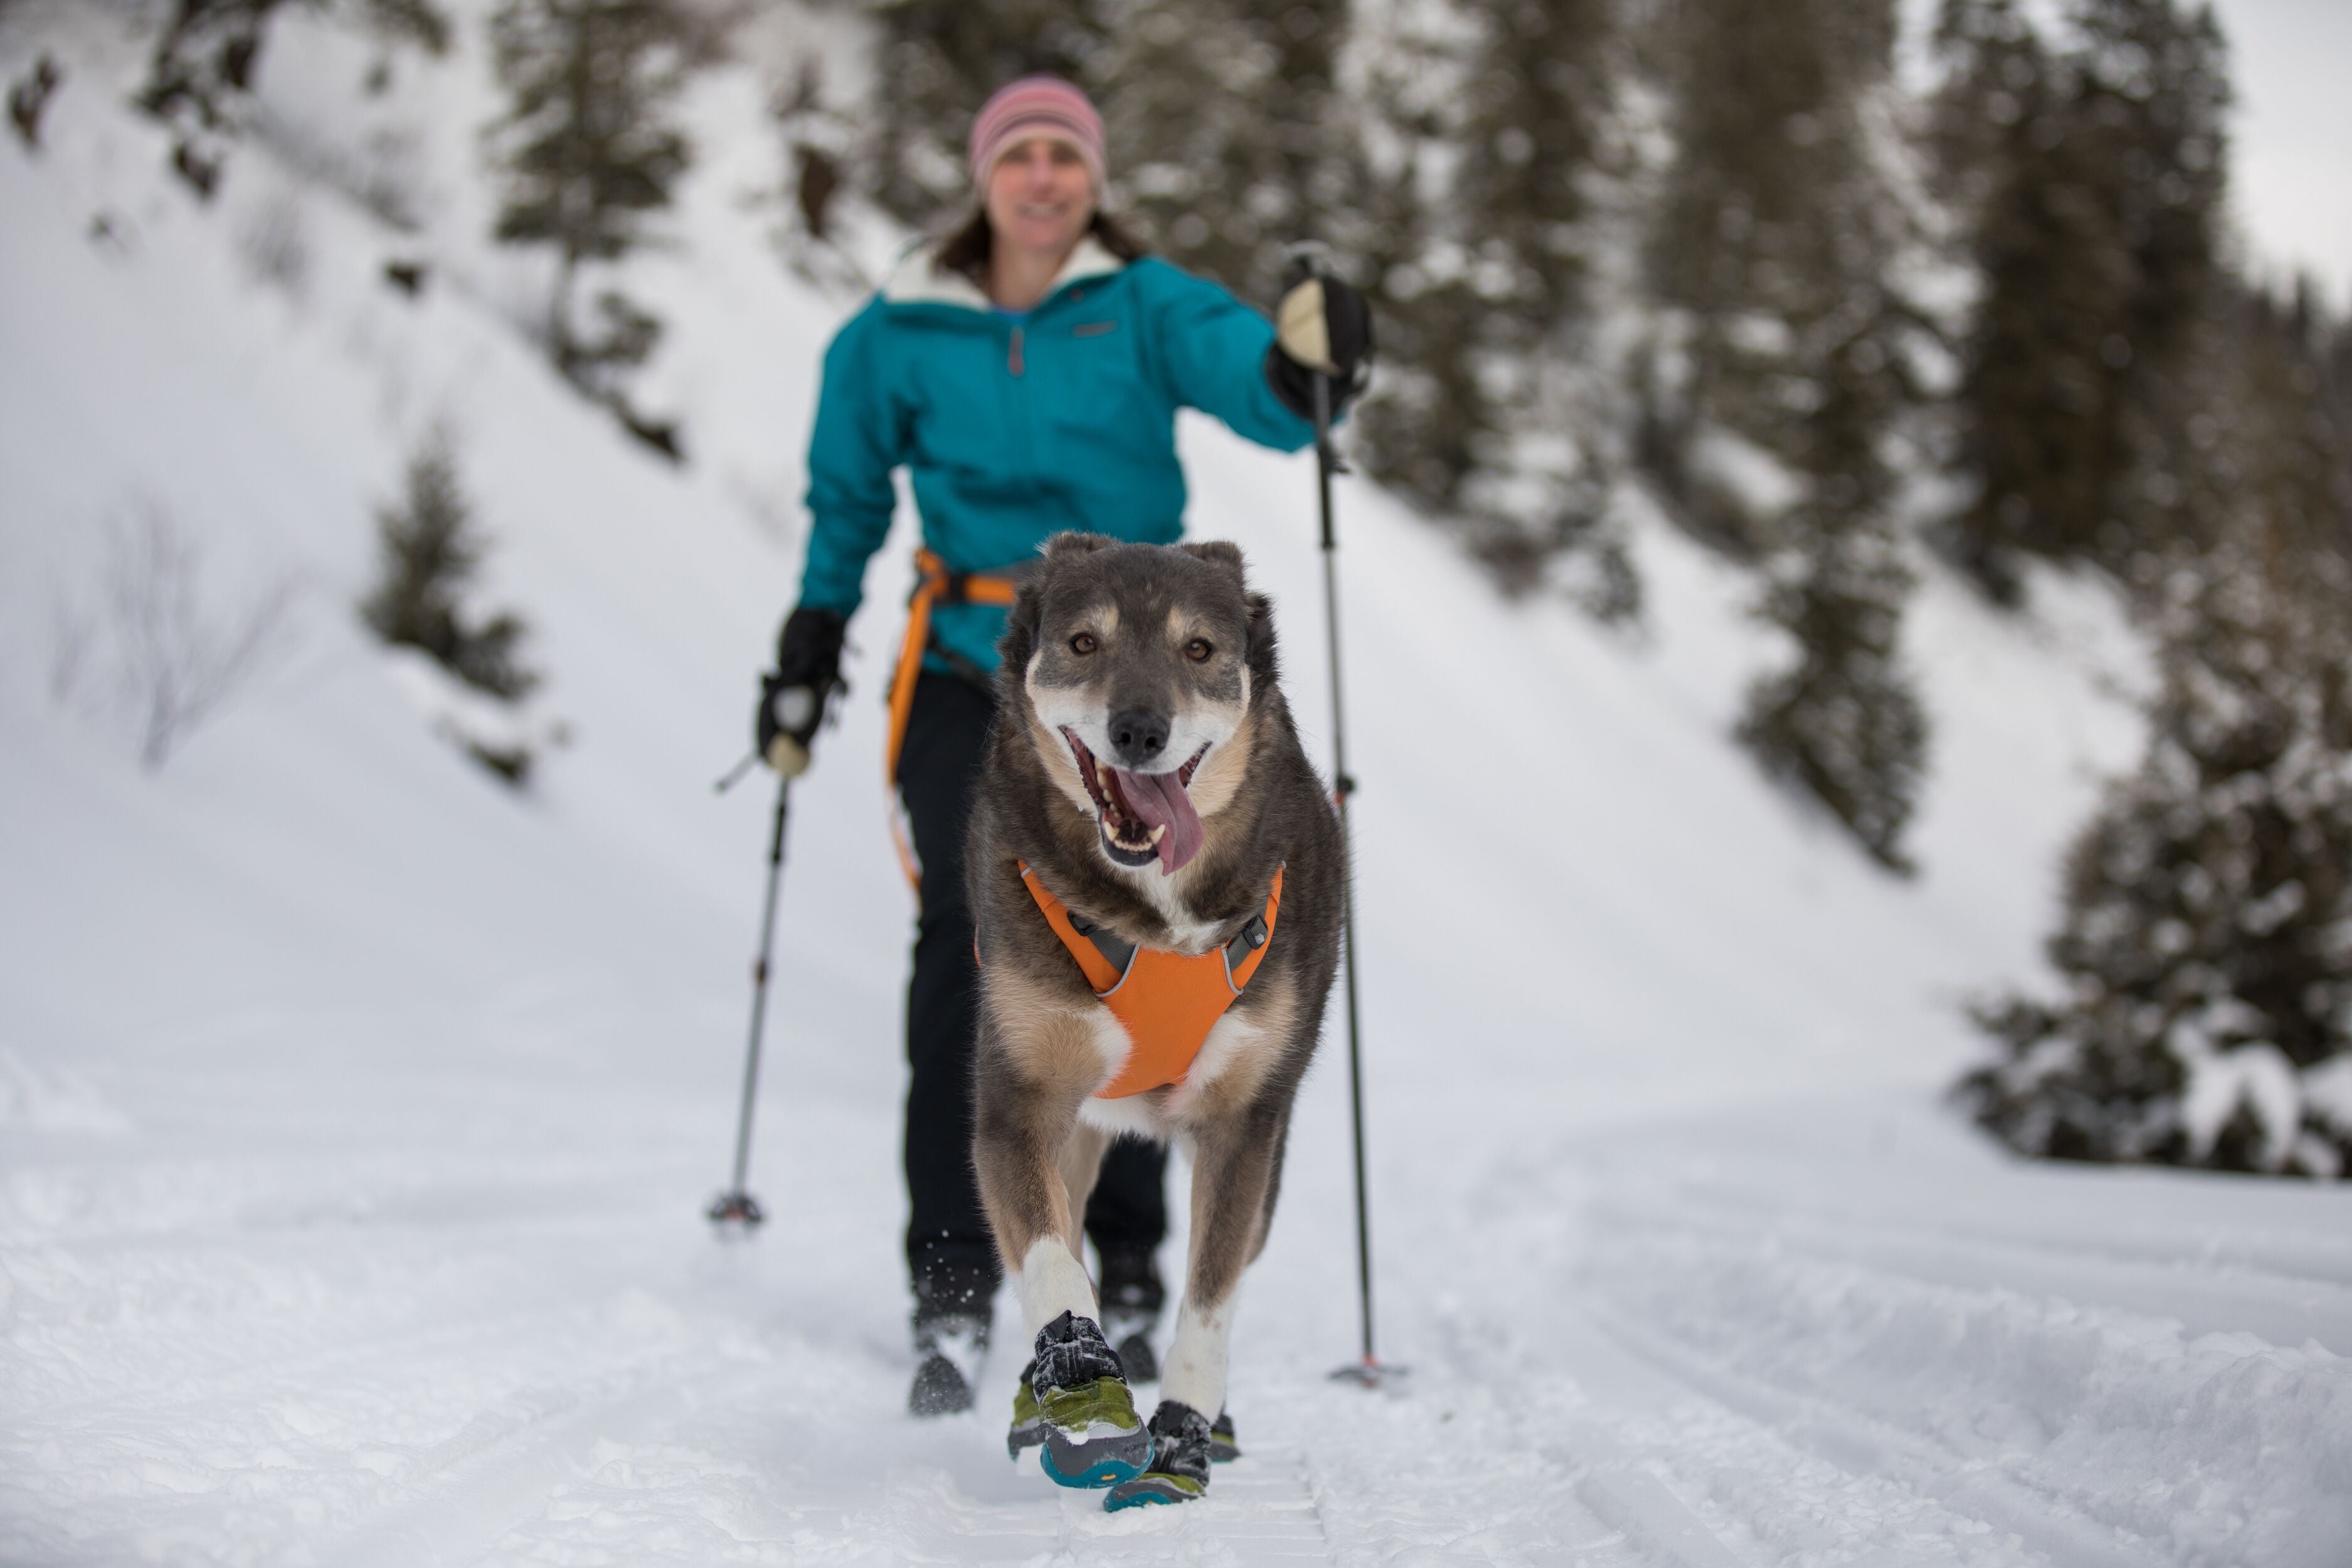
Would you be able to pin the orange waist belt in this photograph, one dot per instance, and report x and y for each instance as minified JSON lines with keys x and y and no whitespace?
{"x":936,"y":585}
{"x":1167,"y":1002}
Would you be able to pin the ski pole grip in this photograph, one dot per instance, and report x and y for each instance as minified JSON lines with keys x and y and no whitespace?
{"x":1311,"y":254}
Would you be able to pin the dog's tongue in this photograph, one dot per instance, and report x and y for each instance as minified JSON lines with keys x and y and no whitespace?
{"x":1161,"y":802}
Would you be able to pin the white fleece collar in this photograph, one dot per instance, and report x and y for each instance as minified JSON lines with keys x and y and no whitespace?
{"x":916,"y":281}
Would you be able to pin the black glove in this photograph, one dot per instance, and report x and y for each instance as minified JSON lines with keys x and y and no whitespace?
{"x":793,"y":698}
{"x":1323,"y":325}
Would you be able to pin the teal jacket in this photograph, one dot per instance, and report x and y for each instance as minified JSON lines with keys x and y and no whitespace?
{"x":1017,"y":428}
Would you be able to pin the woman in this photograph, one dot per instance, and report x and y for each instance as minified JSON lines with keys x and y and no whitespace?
{"x":1027,"y":371}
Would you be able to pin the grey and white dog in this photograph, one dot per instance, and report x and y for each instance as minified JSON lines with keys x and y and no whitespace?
{"x":1145,"y":769}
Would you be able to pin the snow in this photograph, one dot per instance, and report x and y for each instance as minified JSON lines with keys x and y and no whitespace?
{"x":356,"y":1113}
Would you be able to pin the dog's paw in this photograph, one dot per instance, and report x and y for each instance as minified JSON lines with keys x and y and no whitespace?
{"x":1106,"y":1458}
{"x":1180,"y":1461}
{"x":1093,"y":1436}
{"x":1153,"y":1488}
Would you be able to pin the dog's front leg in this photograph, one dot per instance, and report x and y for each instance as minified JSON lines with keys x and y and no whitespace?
{"x":1033,"y":1072}
{"x":1034,"y":1069}
{"x":1233,"y":1169}
{"x":1233,"y":1160}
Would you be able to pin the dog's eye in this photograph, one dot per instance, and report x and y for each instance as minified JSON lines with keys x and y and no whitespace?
{"x":1083,"y":644}
{"x":1198,"y":650}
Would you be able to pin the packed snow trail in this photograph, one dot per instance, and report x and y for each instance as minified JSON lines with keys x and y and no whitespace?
{"x":356,"y":1114}
{"x":400,"y":1339}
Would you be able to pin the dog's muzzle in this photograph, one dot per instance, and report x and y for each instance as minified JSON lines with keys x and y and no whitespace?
{"x":1142,"y":816}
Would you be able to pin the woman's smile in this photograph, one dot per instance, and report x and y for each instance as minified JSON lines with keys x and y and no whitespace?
{"x":1041,"y":197}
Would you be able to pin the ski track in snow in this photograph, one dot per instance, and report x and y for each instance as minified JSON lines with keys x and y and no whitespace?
{"x":1667,"y":1369}
{"x":355,"y":1117}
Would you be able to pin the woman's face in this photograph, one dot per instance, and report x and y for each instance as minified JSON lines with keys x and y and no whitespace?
{"x":1040,"y":198}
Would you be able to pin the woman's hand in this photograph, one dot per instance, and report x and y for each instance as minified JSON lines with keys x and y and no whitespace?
{"x":793,"y":698}
{"x":1322,"y":326}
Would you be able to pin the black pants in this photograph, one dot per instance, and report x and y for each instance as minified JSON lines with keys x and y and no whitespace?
{"x":949,"y":1252}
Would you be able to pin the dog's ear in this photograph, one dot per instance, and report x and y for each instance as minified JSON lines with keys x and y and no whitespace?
{"x":1217,"y":553}
{"x":1070,"y":546}
{"x":1020,"y":639}
{"x":1262,"y":665}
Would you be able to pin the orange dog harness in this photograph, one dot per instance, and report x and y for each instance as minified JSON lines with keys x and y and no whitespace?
{"x":934,"y":586}
{"x":1167,"y":1002}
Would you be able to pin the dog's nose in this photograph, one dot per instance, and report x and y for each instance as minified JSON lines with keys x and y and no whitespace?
{"x":1138,"y":736}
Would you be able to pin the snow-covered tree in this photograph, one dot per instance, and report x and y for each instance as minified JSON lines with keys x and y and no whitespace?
{"x":588,"y":148}
{"x":2207,"y":943}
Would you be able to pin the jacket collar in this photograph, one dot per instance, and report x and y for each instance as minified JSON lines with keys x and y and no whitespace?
{"x":915,"y":280}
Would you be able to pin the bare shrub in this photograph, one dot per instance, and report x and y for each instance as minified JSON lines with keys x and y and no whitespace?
{"x":155,"y":644}
{"x":275,"y":245}
{"x":72,"y":630}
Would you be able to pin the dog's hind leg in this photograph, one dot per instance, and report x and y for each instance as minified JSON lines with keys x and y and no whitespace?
{"x":1273,"y":1185}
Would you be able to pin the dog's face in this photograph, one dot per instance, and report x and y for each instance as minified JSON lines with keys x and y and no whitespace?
{"x":1138,"y":664}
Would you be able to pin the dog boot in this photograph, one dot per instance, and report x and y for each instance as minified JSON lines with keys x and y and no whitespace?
{"x":1028,"y":1419}
{"x":1223,"y":1447}
{"x":1180,"y":1461}
{"x":950,"y":1324}
{"x":1093,"y":1436}
{"x":1132,"y":1296}
{"x":948,"y":1352}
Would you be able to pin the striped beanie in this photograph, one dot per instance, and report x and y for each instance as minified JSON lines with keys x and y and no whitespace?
{"x":1037,"y":106}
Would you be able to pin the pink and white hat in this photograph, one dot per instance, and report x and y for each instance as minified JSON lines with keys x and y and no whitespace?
{"x":1037,"y":106}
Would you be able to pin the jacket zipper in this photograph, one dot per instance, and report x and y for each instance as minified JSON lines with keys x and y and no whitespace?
{"x":1012,"y":360}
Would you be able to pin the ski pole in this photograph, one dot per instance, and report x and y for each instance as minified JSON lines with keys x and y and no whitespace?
{"x":735,"y":1205}
{"x":1370,"y":1370}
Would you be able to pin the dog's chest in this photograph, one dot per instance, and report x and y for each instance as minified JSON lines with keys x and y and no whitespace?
{"x":1187,"y":932}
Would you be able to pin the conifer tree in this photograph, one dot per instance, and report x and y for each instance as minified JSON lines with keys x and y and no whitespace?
{"x":1775,"y":245}
{"x":2089,"y":183}
{"x":1231,"y":143}
{"x":1772,"y":215}
{"x":430,"y":549}
{"x":589,"y":148}
{"x":2034,"y":380}
{"x":2207,"y":940}
{"x":1536,"y":92}
{"x":1493,"y":411}
{"x":1842,"y":721}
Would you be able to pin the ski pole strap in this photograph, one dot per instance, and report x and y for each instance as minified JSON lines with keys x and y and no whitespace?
{"x":934,"y":584}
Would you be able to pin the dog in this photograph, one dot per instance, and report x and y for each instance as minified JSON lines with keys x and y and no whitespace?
{"x":1153,"y":864}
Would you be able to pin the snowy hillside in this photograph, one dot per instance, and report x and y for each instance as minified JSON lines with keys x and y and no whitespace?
{"x":356,"y":1111}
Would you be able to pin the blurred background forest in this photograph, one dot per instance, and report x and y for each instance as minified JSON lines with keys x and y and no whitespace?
{"x":1842,"y":323}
